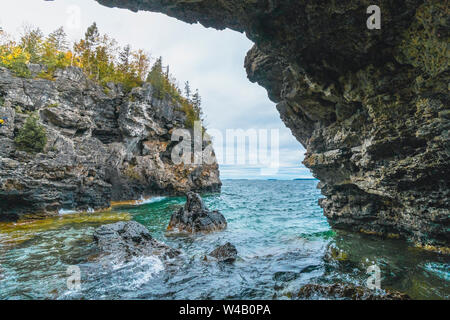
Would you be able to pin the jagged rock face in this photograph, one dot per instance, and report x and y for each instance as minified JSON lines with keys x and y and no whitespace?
{"x":370,"y":106}
{"x":195,"y":217}
{"x":103,"y":145}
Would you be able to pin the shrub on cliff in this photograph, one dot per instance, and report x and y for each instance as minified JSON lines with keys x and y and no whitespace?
{"x":32,"y":137}
{"x":15,"y":59}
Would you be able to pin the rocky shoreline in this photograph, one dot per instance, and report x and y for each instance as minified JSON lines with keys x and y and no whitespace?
{"x":103,"y":145}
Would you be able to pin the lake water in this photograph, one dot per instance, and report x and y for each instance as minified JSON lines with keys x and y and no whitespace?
{"x":282,"y":238}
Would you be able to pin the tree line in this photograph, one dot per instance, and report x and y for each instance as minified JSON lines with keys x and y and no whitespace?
{"x":101,"y":59}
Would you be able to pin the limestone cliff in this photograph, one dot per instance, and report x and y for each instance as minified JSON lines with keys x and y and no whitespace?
{"x":102,"y":145}
{"x":370,"y":106}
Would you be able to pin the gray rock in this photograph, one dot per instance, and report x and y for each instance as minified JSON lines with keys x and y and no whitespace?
{"x":125,"y":240}
{"x":226,"y":253}
{"x":195,"y":217}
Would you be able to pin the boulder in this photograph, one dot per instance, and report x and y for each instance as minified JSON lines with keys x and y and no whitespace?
{"x":195,"y":217}
{"x":126,"y":240}
{"x":226,"y":253}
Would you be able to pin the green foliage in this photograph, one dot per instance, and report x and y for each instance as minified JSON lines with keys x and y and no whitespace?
{"x":426,"y":44}
{"x":19,"y":67}
{"x":164,"y":86}
{"x":191,"y":116}
{"x":192,"y":108}
{"x":132,"y":173}
{"x":32,"y":137}
{"x":46,"y":75}
{"x":31,"y":41}
{"x":106,"y":90}
{"x":18,"y":109}
{"x":15,"y":59}
{"x":101,"y":60}
{"x":196,"y":104}
{"x":156,"y":79}
{"x":58,"y":40}
{"x":187,"y":90}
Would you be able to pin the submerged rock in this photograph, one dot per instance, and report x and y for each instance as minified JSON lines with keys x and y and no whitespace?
{"x":195,"y":217}
{"x":347,"y":291}
{"x":226,"y":253}
{"x":126,"y":240}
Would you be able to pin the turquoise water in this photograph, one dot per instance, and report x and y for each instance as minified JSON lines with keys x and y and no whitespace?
{"x":282,"y":238}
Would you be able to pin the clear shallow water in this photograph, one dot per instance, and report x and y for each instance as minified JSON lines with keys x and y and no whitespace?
{"x":282,"y":238}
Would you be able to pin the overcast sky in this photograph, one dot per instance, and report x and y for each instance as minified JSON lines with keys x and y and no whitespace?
{"x":211,"y":60}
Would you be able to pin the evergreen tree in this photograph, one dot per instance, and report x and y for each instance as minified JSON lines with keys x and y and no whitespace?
{"x":58,"y":39}
{"x":104,"y":59}
{"x":141,"y":63}
{"x":196,"y":103}
{"x":92,"y":36}
{"x":125,"y":58}
{"x":187,"y":90}
{"x":32,"y":137}
{"x":156,"y":79}
{"x":167,"y":72}
{"x":31,"y":41}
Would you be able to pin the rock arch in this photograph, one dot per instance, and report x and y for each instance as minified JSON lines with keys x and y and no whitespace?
{"x":369,"y":106}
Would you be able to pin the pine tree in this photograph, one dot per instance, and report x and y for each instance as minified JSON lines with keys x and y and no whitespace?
{"x":58,"y":39}
{"x":124,"y":58}
{"x":31,"y":41}
{"x":141,"y":63}
{"x":187,"y":90}
{"x":32,"y":137}
{"x":104,"y":59}
{"x":196,"y":103}
{"x":91,"y":38}
{"x":168,"y":72}
{"x":156,"y":79}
